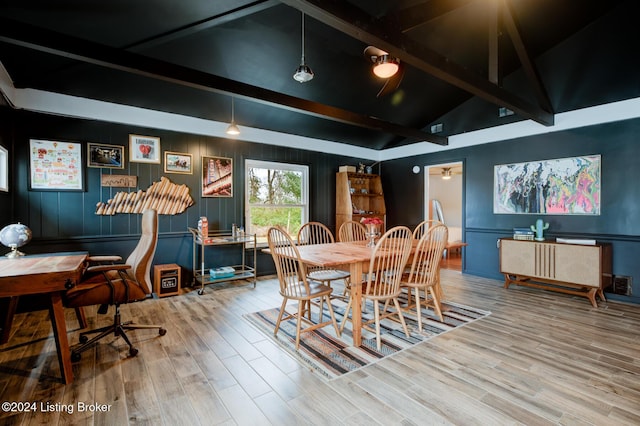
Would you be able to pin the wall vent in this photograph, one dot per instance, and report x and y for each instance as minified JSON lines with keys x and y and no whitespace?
{"x":621,"y":285}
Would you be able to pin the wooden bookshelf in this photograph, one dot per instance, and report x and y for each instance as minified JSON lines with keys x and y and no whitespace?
{"x":359,"y":195}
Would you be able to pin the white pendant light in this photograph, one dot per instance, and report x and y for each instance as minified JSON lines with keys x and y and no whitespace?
{"x":233,"y":129}
{"x":303,"y":72}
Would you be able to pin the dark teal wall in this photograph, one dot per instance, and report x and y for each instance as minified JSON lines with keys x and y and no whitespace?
{"x":66,"y":221}
{"x":63,"y":221}
{"x":618,"y":223}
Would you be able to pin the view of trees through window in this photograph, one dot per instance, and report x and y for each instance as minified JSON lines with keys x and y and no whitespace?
{"x":276,"y":195}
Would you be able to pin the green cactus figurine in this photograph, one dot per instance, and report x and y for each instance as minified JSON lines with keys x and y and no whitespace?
{"x":539,"y":228}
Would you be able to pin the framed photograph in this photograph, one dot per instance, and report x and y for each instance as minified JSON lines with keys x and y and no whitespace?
{"x":144,"y":149}
{"x":107,"y":156}
{"x":564,"y":186}
{"x":178,"y":162}
{"x":4,"y":169}
{"x":217,"y":177}
{"x":55,"y":166}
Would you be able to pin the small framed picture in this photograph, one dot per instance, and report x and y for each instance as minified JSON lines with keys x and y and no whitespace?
{"x":217,"y":177}
{"x":4,"y":169}
{"x":178,"y":162}
{"x":102,"y":155}
{"x":144,"y":149}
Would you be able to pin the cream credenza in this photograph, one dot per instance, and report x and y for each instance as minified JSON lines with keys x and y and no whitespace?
{"x":581,"y":270}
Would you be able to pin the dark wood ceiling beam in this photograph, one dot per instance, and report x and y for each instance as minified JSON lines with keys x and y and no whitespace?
{"x":237,"y":13}
{"x":420,"y":14}
{"x":494,"y":43}
{"x":43,"y":40}
{"x":352,"y":21}
{"x":528,"y":65}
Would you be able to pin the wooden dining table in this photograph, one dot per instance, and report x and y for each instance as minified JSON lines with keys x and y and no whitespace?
{"x":350,"y":256}
{"x":354,"y":257}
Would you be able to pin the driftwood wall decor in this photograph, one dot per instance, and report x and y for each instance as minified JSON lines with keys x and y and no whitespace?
{"x":164,"y":196}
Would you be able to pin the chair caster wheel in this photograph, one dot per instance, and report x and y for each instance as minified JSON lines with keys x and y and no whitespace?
{"x":201,"y":292}
{"x":133,"y":352}
{"x":162,"y":332}
{"x":83,"y":339}
{"x":75,"y":356}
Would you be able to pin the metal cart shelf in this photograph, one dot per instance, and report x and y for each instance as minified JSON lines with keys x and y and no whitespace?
{"x":222,"y":238}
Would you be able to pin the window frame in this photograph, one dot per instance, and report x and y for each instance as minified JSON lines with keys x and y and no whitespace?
{"x":276,"y":165}
{"x":4,"y":169}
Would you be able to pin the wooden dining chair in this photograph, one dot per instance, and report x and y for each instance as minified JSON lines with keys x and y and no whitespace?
{"x":294,"y":285}
{"x":352,"y":231}
{"x":318,"y":233}
{"x":424,"y":274}
{"x":423,"y":226}
{"x":386,"y":267}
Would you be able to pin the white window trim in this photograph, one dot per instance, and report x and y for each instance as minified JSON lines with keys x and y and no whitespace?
{"x":260,"y":164}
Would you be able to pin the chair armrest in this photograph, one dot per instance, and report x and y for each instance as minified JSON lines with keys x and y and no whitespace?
{"x":99,"y":259}
{"x":105,"y":268}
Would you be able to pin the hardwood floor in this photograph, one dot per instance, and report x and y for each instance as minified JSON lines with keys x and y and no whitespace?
{"x":452,"y":262}
{"x":540,"y":358}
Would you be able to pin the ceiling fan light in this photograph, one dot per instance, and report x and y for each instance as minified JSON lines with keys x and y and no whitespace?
{"x":303,"y":73}
{"x":386,"y":66}
{"x":446,"y":174}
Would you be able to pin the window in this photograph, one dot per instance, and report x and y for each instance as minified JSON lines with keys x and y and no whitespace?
{"x":275,"y":194}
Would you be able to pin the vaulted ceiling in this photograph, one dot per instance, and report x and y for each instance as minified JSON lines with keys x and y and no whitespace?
{"x":464,"y":61}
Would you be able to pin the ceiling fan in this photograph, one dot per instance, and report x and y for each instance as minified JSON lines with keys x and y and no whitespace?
{"x":387,"y":67}
{"x":447,"y":172}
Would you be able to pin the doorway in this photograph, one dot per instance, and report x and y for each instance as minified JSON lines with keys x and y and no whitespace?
{"x":444,"y":183}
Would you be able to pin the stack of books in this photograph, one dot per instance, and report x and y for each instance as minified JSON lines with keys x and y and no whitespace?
{"x":523,"y":234}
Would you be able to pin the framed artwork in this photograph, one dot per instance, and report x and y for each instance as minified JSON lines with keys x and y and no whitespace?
{"x":178,"y":162}
{"x":564,"y":186}
{"x":217,"y":177}
{"x":107,"y":156}
{"x":144,"y":149}
{"x":4,"y":169}
{"x":55,"y":165}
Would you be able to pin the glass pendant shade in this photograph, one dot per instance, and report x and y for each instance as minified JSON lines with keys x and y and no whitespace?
{"x":303,"y":72}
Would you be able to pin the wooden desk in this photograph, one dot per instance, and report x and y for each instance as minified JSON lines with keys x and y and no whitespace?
{"x":51,"y":275}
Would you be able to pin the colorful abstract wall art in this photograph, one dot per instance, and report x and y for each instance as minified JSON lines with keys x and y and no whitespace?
{"x":559,"y":186}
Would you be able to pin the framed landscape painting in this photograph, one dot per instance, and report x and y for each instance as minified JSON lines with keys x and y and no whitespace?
{"x":178,"y":162}
{"x":564,"y":186}
{"x":217,"y":177}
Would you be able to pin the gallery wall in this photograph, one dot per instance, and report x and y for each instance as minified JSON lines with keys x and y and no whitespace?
{"x":67,"y":220}
{"x":617,"y":223}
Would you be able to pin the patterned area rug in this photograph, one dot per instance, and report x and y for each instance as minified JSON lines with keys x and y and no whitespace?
{"x":333,"y":356}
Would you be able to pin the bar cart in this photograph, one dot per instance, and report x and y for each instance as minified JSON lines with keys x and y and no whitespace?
{"x":221,"y":238}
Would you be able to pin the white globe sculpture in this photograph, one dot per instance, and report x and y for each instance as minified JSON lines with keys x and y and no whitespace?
{"x":14,"y":236}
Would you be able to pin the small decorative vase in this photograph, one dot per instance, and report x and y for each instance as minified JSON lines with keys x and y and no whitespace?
{"x":373,"y":230}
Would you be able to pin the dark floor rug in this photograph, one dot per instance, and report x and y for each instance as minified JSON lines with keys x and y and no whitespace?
{"x":333,"y":356}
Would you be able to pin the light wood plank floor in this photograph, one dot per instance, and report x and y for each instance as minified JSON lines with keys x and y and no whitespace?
{"x":540,"y":358}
